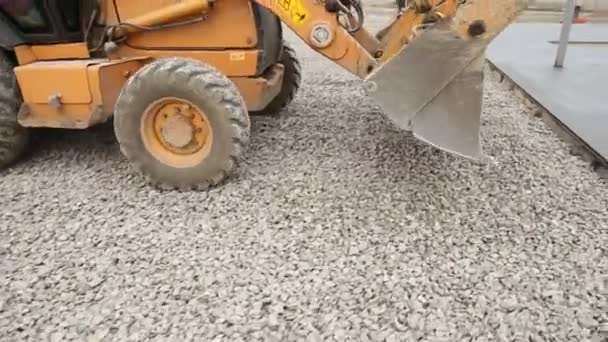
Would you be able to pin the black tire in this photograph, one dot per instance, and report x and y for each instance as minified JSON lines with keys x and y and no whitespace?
{"x":13,"y":136}
{"x":291,"y":82}
{"x":201,"y":85}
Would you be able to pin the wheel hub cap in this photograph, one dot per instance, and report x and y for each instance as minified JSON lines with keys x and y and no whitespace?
{"x":181,"y":128}
{"x":176,"y":132}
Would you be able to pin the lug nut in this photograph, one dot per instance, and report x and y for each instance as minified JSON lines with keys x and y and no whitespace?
{"x":321,"y":36}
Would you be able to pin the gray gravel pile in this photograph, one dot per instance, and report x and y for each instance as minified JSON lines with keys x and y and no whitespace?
{"x":337,"y":226}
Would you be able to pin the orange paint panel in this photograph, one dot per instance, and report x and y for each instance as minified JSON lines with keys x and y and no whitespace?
{"x":87,"y":89}
{"x":60,"y":51}
{"x":167,"y":15}
{"x":68,"y":79}
{"x":230,"y":62}
{"x":94,"y":88}
{"x":108,"y":14}
{"x":398,"y":33}
{"x":72,"y":116}
{"x":259,"y":91}
{"x":368,"y":41}
{"x":128,"y":9}
{"x":303,"y":16}
{"x":31,"y":53}
{"x":108,"y":79}
{"x":203,"y":35}
{"x":496,"y":15}
{"x":24,"y":54}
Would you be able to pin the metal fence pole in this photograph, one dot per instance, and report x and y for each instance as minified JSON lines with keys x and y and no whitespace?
{"x":565,"y":34}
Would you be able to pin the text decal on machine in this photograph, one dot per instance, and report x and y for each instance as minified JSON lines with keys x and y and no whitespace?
{"x":294,"y":8}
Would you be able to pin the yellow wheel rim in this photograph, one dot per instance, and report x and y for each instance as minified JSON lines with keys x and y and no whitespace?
{"x":176,"y":132}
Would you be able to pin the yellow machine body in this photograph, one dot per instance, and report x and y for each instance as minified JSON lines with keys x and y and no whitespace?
{"x":63,"y":86}
{"x":423,"y":68}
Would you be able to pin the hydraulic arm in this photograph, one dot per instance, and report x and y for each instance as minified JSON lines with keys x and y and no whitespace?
{"x":424,"y":68}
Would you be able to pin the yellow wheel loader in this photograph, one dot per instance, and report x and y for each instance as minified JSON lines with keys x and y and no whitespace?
{"x":179,"y":78}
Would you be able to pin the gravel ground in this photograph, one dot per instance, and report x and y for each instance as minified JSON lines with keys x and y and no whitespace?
{"x":337,"y":226}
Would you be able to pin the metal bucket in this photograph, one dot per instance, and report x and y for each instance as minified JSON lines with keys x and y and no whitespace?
{"x":433,"y":86}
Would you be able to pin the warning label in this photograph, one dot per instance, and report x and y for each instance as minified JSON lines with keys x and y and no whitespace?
{"x":294,"y":8}
{"x":285,"y":4}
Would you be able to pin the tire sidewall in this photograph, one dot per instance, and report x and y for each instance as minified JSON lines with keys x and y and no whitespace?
{"x":148,"y":87}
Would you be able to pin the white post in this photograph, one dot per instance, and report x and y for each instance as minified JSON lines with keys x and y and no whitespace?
{"x":565,"y":34}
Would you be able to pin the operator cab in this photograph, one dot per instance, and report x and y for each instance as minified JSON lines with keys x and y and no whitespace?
{"x":41,"y":21}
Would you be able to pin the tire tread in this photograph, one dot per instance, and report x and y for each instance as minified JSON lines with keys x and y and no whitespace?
{"x":13,"y":136}
{"x":198,"y":75}
{"x":291,"y":82}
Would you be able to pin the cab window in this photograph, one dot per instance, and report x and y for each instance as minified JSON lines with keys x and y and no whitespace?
{"x":70,"y":14}
{"x":28,"y":15}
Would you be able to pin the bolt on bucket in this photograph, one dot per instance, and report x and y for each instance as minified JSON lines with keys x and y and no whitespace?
{"x":433,"y":85}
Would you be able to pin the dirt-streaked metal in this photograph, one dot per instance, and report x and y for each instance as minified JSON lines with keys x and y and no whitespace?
{"x":434,"y":85}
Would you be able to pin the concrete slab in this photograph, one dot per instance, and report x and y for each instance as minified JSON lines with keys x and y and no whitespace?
{"x":576,"y":95}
